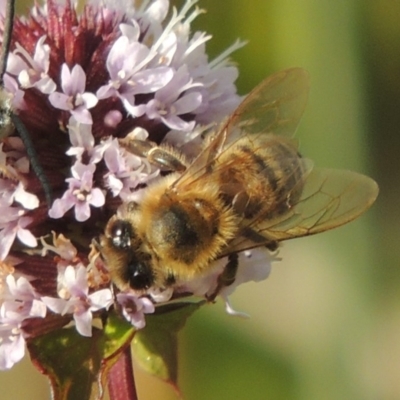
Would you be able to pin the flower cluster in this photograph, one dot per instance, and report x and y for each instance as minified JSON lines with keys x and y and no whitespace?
{"x":80,"y":82}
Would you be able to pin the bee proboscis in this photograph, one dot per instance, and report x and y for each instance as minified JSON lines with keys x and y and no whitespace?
{"x":248,"y":187}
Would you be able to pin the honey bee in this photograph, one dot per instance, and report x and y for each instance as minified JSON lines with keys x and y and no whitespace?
{"x":248,"y":187}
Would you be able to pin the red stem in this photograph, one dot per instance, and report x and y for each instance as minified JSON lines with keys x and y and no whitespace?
{"x":121,"y":381}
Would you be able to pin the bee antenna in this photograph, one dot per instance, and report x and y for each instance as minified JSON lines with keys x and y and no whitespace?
{"x":16,"y":120}
{"x":32,"y":156}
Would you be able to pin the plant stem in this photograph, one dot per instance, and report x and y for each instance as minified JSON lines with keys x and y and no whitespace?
{"x":8,"y":27}
{"x":121,"y":381}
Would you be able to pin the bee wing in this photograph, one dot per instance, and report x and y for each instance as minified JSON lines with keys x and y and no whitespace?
{"x":275,"y":106}
{"x":330,"y":198}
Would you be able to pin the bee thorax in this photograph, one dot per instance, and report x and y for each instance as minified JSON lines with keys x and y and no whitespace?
{"x":184,"y":229}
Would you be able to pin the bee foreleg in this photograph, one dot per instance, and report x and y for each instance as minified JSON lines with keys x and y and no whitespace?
{"x":162,"y":157}
{"x":138,"y":147}
{"x":166,"y":159}
{"x":254,"y":236}
{"x":227,"y":276}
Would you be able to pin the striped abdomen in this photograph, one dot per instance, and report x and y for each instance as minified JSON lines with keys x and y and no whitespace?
{"x":262,"y":176}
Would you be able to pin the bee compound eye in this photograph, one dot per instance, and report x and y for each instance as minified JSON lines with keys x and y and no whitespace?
{"x":121,"y":233}
{"x":140,"y":275}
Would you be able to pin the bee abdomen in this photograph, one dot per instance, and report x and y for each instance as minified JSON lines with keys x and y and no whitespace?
{"x":269,"y":171}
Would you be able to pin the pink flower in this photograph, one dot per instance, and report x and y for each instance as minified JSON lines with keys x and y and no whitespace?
{"x":169,"y":102}
{"x":134,"y":308}
{"x":126,"y":64}
{"x":13,"y":225}
{"x":81,"y":138}
{"x":74,"y":98}
{"x":126,"y":171}
{"x":28,"y":200}
{"x":77,"y":300}
{"x":12,"y":345}
{"x":20,"y":302}
{"x":80,"y":82}
{"x":80,"y":194}
{"x":32,"y":71}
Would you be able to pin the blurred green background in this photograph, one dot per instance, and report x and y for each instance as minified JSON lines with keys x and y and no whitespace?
{"x":326,"y":324}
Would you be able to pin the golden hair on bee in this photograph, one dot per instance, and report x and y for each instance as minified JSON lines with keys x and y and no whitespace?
{"x":177,"y":233}
{"x":248,"y":187}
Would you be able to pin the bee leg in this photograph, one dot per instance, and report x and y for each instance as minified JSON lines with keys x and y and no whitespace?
{"x":103,"y":316}
{"x":114,"y":292}
{"x":259,"y":240}
{"x":228,"y":275}
{"x":162,"y":157}
{"x":273,"y":245}
{"x":254,"y":236}
{"x":166,"y":159}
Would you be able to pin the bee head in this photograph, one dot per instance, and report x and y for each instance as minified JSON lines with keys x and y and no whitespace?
{"x":139,"y":274}
{"x":121,"y":233}
{"x":128,"y":264}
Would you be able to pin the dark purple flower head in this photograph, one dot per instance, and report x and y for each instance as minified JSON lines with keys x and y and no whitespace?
{"x":79,"y":82}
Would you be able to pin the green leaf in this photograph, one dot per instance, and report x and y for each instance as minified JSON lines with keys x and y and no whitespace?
{"x":155,"y":346}
{"x":118,"y":334}
{"x":77,"y":366}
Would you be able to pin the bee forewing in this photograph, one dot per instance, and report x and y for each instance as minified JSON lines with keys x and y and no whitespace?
{"x":275,"y":106}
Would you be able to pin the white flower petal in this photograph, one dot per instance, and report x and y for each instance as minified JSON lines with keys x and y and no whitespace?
{"x":132,"y":32}
{"x":101,"y":299}
{"x":11,"y":351}
{"x":66,"y":80}
{"x":135,"y":111}
{"x":233,"y":312}
{"x":77,"y":81}
{"x":7,"y":237}
{"x":89,"y":99}
{"x":157,"y":11}
{"x":55,"y":304}
{"x":97,"y":198}
{"x":26,"y":199}
{"x":82,"y":211}
{"x":82,"y":115}
{"x":59,"y":208}
{"x":60,"y":101}
{"x":38,"y":309}
{"x":46,"y":85}
{"x":188,"y":103}
{"x":26,"y":237}
{"x":83,"y":323}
